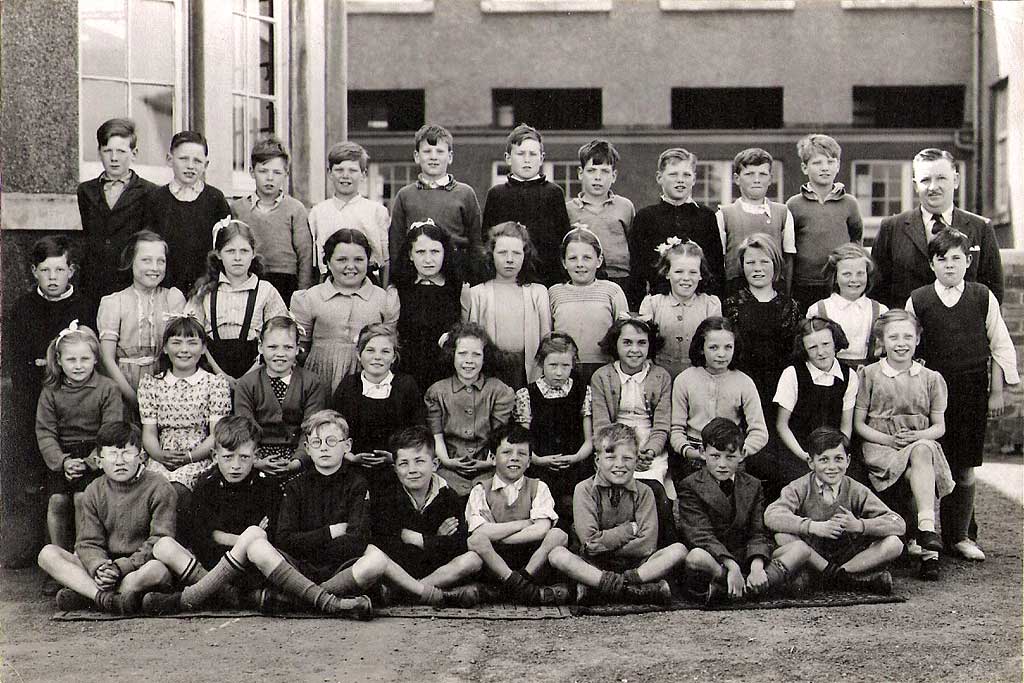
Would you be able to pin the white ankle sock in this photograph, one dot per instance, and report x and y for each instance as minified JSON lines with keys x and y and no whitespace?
{"x":926,"y":521}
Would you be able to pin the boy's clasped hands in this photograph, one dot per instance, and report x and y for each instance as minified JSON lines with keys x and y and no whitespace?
{"x":841,"y":522}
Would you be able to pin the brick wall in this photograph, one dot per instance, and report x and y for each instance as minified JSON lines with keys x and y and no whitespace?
{"x":1007,"y":433}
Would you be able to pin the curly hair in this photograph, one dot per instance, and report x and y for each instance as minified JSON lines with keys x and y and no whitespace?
{"x":518,"y":231}
{"x":610,"y":342}
{"x":473,"y":331}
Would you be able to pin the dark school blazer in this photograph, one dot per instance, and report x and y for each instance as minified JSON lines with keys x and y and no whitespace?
{"x":706,"y":519}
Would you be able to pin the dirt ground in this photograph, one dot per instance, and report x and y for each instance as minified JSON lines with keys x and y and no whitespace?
{"x":965,"y":628}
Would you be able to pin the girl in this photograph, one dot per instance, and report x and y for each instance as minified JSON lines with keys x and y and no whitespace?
{"x":430,"y":300}
{"x":511,"y":309}
{"x":850,"y":268}
{"x":131,"y":322}
{"x":557,"y":411}
{"x":279,"y":395}
{"x":764,"y":319}
{"x":900,"y":414}
{"x":815,"y":391}
{"x":331,"y":314}
{"x":179,"y":406}
{"x":631,"y":390}
{"x":585,"y":306}
{"x":711,"y":388}
{"x":377,"y":402}
{"x":232,"y":301}
{"x":679,"y":312}
{"x":463,"y":410}
{"x":74,"y":403}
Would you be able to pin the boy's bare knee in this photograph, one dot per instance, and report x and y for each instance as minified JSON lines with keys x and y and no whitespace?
{"x":59,"y":503}
{"x":48,"y":556}
{"x":892,"y":546}
{"x":478,"y":542}
{"x":165,"y":548}
{"x":559,"y":557}
{"x":469,"y":562}
{"x":557,"y":537}
{"x":252,"y":533}
{"x":375,"y":558}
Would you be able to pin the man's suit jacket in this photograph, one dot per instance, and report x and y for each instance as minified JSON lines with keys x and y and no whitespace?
{"x":105,"y":232}
{"x":706,"y":519}
{"x":901,"y":259}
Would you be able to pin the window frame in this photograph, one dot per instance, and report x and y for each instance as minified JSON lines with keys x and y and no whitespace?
{"x":726,"y":5}
{"x":159,"y":173}
{"x":1001,"y":189}
{"x":242,"y":182}
{"x":729,"y":193}
{"x":381,"y":172}
{"x":523,"y":6}
{"x":390,"y":6}
{"x":905,"y":4}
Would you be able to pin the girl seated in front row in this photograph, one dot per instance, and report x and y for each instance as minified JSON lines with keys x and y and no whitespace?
{"x":633,"y":391}
{"x":900,"y":414}
{"x":850,"y":268}
{"x":510,"y":307}
{"x":232,"y":301}
{"x":711,"y":388}
{"x":556,"y":409}
{"x":815,"y":391}
{"x":464,"y":409}
{"x":279,"y":395}
{"x":377,"y":402}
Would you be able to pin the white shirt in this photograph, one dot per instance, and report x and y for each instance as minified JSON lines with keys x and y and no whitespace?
{"x":764,"y":207}
{"x":186,"y":193}
{"x":631,"y":398}
{"x":379,"y":390}
{"x":855,"y":319}
{"x":890,"y":372}
{"x":67,"y":293}
{"x":543,"y":506}
{"x":788,"y":390}
{"x":1000,"y":344}
{"x":433,"y":488}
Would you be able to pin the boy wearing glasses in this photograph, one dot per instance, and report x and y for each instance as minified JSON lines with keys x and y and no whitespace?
{"x":233,"y":507}
{"x":119,"y":518}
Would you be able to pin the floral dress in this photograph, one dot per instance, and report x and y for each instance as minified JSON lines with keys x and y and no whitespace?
{"x":184,"y":409}
{"x":136,"y":321}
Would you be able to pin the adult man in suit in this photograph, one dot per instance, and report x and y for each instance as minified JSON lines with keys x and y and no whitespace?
{"x":111,"y":208}
{"x":900,"y":252}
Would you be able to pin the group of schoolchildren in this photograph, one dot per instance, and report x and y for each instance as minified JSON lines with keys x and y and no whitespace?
{"x":459,"y":406}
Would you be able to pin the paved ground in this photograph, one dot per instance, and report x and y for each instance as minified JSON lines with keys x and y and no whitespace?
{"x":965,"y":628}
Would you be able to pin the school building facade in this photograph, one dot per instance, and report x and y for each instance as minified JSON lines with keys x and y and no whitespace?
{"x":885,"y":77}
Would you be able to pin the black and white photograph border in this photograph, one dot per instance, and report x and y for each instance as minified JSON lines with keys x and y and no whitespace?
{"x":886,"y":78}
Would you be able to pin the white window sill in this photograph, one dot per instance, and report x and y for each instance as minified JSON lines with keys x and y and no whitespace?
{"x":726,"y":5}
{"x":390,"y":6}
{"x":906,"y":4}
{"x":499,"y":6}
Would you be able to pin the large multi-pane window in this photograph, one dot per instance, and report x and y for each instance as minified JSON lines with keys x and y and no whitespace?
{"x":386,"y":178}
{"x":1000,"y":156}
{"x":130,"y":65}
{"x":565,"y":174}
{"x":258,"y":95}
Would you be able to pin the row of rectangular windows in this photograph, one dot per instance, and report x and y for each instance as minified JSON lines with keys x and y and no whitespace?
{"x":502,"y":6}
{"x":936,"y":106}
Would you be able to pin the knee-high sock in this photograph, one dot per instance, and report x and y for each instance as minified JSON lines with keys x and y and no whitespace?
{"x":291,"y":581}
{"x":221,"y":576}
{"x":193,"y":573}
{"x":956,"y":512}
{"x":342,"y":583}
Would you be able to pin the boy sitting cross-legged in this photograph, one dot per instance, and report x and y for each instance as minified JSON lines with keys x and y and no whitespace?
{"x":119,"y":518}
{"x":850,"y":532}
{"x":720,"y":513}
{"x":232,"y":507}
{"x":419,"y":530}
{"x":511,"y":518}
{"x":617,"y":525}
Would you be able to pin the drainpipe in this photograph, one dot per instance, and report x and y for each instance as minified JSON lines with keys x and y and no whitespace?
{"x":977,"y":201}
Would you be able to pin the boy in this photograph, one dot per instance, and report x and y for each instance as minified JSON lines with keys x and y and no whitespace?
{"x":420,"y":531}
{"x":676,"y":215}
{"x":120,"y":517}
{"x":606,"y":214}
{"x":529,"y":198}
{"x":511,"y":520}
{"x":278,"y":220}
{"x":185,"y":210}
{"x":232,"y":510}
{"x":846,"y":533}
{"x":721,"y":515}
{"x":615,"y":519}
{"x":958,"y":341}
{"x":347,"y":163}
{"x":753,"y":212}
{"x":437,"y":195}
{"x":323,"y":522}
{"x":824,"y":217}
{"x":112,"y":209}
